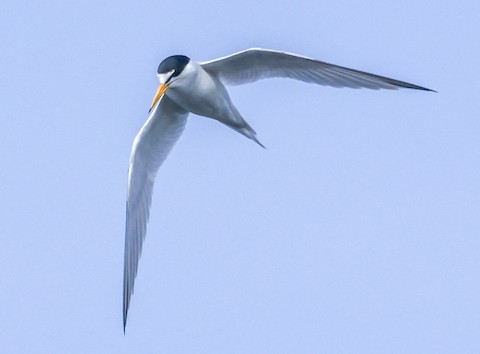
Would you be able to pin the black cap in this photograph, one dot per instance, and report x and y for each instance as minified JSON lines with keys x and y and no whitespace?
{"x":175,"y":62}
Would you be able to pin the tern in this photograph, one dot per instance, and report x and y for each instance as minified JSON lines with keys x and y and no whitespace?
{"x":187,"y":87}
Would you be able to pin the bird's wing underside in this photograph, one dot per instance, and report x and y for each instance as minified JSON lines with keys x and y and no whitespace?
{"x":255,"y":64}
{"x":150,"y":149}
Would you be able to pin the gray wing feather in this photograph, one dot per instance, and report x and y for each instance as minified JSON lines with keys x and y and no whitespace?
{"x":150,"y":148}
{"x":256,"y":64}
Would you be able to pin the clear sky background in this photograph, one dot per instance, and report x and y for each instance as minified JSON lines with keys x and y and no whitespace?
{"x":356,"y":231}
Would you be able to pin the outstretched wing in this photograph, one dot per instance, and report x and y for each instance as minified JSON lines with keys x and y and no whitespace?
{"x":255,"y":64}
{"x":150,"y":148}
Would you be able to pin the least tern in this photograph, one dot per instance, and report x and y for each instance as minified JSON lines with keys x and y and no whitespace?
{"x":187,"y":87}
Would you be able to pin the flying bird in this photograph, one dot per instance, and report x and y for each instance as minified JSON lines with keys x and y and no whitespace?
{"x":187,"y":87}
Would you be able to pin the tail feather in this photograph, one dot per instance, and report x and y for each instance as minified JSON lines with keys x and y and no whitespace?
{"x":250,"y":133}
{"x":237,"y":123}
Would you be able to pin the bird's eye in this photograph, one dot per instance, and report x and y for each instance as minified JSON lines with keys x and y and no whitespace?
{"x":171,"y":76}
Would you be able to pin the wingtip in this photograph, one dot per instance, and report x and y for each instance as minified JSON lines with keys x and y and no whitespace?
{"x":406,"y":85}
{"x":421,"y":88}
{"x":426,"y":89}
{"x":125,"y":314}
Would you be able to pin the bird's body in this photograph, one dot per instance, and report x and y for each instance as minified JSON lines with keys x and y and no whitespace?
{"x":190,"y":87}
{"x":193,"y":92}
{"x":203,"y":94}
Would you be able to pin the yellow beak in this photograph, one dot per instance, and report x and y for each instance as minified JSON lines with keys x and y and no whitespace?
{"x":161,"y":90}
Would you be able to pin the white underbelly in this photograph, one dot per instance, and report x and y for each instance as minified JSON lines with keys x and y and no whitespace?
{"x":204,"y":97}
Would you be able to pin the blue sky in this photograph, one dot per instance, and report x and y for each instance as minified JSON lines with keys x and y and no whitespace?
{"x":356,"y":231}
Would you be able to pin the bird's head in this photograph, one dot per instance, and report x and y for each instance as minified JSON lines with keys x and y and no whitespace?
{"x":168,"y":71}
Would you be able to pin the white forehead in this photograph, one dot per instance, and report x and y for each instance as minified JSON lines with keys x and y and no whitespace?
{"x":163,"y":77}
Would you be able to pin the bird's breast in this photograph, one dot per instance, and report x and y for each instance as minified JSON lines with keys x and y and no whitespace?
{"x":202,"y":95}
